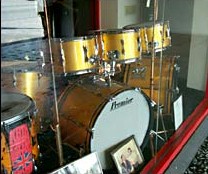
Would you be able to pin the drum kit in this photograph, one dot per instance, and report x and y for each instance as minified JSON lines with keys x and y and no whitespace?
{"x":95,"y":112}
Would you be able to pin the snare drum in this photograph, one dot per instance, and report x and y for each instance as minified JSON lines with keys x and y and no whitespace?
{"x":125,"y":42}
{"x":95,"y":117}
{"x":77,"y":53}
{"x":138,"y":75}
{"x":19,"y":146}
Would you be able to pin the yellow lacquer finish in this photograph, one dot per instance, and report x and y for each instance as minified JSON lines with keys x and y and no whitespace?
{"x":126,"y":42}
{"x":161,"y":39}
{"x":144,"y":40}
{"x":57,"y":56}
{"x":34,"y":140}
{"x":166,"y":35}
{"x":79,"y":107}
{"x":76,"y":54}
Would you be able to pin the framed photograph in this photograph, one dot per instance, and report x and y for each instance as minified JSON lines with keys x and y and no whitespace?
{"x":127,"y":156}
{"x":88,"y":164}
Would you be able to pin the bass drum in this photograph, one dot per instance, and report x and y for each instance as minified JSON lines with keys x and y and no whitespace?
{"x":96,"y":117}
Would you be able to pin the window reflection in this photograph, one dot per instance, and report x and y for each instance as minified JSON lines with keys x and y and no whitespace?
{"x":100,"y":50}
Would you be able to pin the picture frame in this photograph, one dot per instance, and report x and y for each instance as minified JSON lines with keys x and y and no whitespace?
{"x":87,"y":164}
{"x":127,"y":156}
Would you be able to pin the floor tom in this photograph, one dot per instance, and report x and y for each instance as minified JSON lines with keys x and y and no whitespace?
{"x":19,"y":145}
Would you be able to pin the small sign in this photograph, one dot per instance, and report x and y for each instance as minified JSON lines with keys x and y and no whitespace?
{"x":178,"y":112}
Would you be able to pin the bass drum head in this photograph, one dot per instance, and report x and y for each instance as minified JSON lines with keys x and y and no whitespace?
{"x":128,"y":113}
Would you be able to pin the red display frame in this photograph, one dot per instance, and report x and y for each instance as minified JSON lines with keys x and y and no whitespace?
{"x":175,"y":144}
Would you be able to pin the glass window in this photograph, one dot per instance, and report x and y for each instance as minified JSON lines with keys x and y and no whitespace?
{"x":90,"y":74}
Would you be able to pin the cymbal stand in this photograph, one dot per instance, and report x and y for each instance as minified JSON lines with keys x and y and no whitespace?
{"x":57,"y":127}
{"x":151,"y":134}
{"x":159,"y":108}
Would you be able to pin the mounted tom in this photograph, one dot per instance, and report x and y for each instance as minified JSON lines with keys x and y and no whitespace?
{"x":153,"y":36}
{"x":78,"y":55}
{"x":118,"y":45}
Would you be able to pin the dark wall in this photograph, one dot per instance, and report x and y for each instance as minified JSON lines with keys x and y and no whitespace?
{"x":82,"y":16}
{"x":62,"y":18}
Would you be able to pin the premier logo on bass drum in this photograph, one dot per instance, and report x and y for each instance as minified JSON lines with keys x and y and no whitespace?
{"x":116,"y":105}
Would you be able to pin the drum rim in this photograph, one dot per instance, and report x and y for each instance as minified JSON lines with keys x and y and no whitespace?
{"x":144,"y":25}
{"x":27,"y":111}
{"x":112,"y":31}
{"x":77,"y":38}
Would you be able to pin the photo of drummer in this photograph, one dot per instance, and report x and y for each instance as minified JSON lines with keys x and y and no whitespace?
{"x":126,"y":165}
{"x":134,"y":158}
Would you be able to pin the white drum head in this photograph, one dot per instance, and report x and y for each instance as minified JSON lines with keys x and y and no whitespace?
{"x":128,"y":113}
{"x":15,"y":107}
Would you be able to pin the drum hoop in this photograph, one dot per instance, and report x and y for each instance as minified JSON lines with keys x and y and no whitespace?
{"x":145,"y":25}
{"x":119,"y":31}
{"x":81,"y":38}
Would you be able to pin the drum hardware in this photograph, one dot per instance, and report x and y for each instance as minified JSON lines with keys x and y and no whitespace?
{"x":58,"y":134}
{"x":43,"y":58}
{"x":108,"y":80}
{"x":153,"y":44}
{"x":113,"y":55}
{"x":109,"y":68}
{"x":160,"y":115}
{"x":177,"y":68}
{"x":159,"y":107}
{"x":144,"y":40}
{"x":94,"y":59}
{"x":14,"y":78}
{"x":122,"y":45}
{"x":151,"y":135}
{"x":85,"y":53}
{"x":159,"y":111}
{"x":139,"y":72}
